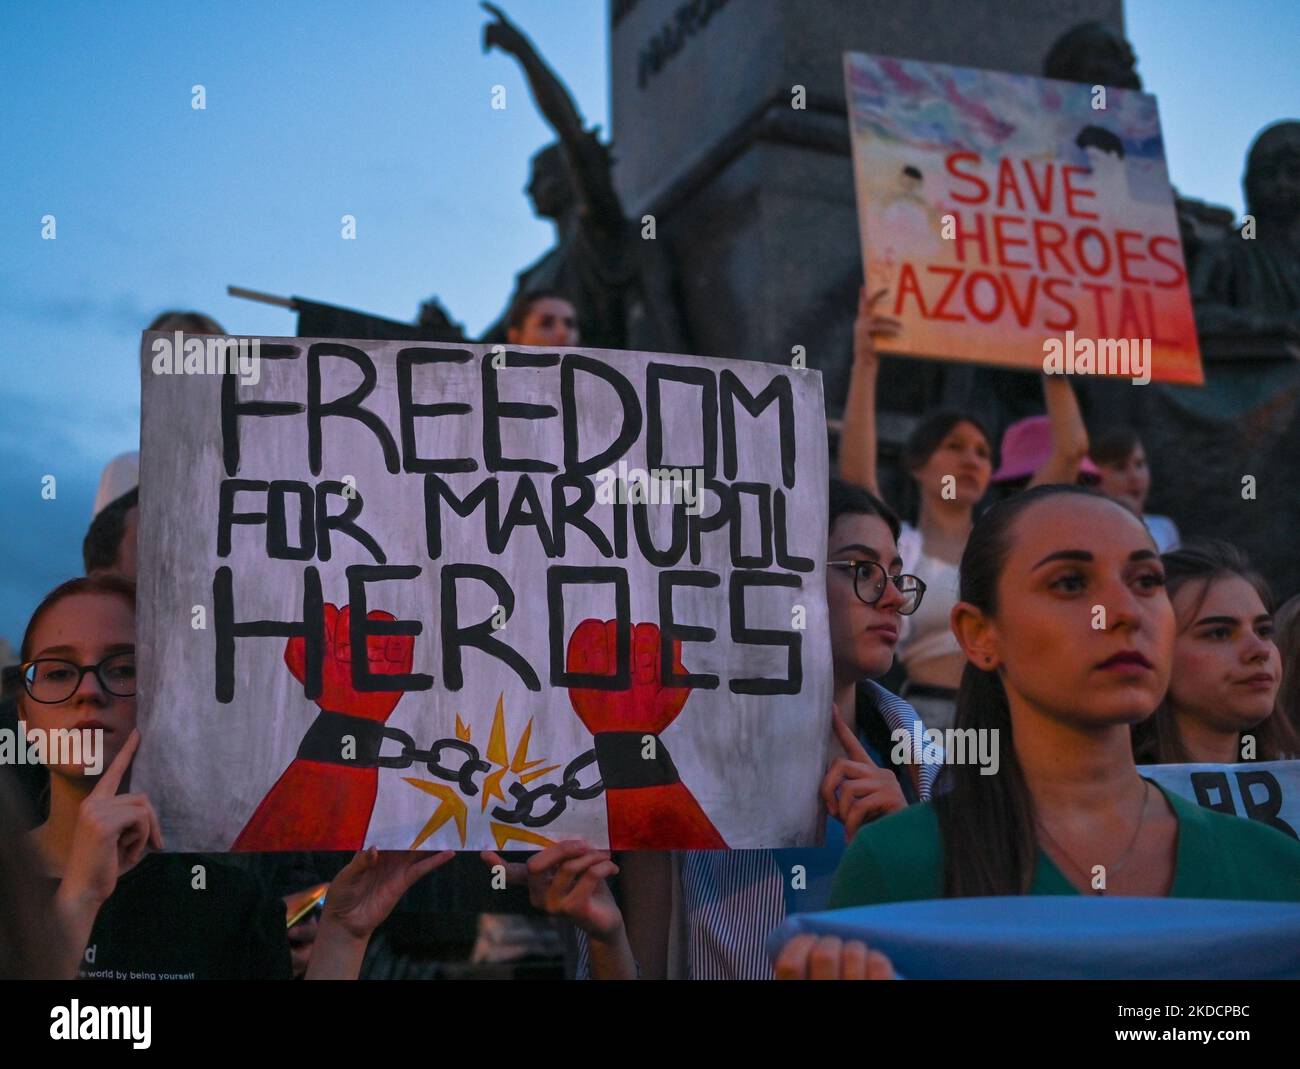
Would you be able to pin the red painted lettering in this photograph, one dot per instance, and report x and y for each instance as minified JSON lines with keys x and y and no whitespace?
{"x":1071,"y":313}
{"x":1045,"y":245}
{"x":974,"y":179}
{"x":1007,"y":183}
{"x":1127,"y":256}
{"x":955,"y":274}
{"x":1023,"y":312}
{"x":1176,"y":265}
{"x":1002,"y":242}
{"x":1070,"y":193}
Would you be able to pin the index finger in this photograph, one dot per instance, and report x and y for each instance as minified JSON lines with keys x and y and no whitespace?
{"x":112,"y":776}
{"x":552,"y":856}
{"x":848,"y":739}
{"x":422,"y":866}
{"x":516,"y":871}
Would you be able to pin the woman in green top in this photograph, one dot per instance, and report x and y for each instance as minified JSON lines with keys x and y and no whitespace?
{"x":1068,"y":635}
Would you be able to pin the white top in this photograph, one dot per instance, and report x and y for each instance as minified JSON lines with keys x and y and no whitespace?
{"x":121,"y":474}
{"x":926,"y":634}
{"x":1163,"y":530}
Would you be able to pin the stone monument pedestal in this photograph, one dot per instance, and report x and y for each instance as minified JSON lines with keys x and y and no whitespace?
{"x":754,"y":196}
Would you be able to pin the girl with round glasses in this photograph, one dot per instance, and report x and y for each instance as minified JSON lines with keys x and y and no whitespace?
{"x":870,"y":581}
{"x":706,"y":914}
{"x":949,"y":458}
{"x":123,"y":910}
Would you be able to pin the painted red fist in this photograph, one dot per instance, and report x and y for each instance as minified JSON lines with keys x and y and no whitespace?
{"x":387,"y":654}
{"x":324,"y":798}
{"x":647,"y":705}
{"x":647,"y":805}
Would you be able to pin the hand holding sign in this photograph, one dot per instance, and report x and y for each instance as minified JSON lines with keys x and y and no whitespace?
{"x":700,"y":496}
{"x":568,"y":880}
{"x":647,"y":804}
{"x":363,"y":894}
{"x":810,"y":957}
{"x":856,"y":789}
{"x":867,"y":324}
{"x":359,"y":899}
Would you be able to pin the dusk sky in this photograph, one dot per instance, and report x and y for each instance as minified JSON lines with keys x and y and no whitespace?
{"x":379,"y":110}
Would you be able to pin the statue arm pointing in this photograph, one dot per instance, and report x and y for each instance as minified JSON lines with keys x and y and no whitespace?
{"x":586,"y":160}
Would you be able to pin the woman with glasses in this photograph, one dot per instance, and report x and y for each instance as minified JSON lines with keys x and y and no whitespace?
{"x":949,"y":457}
{"x":126,"y":913}
{"x":704,"y":914}
{"x":1067,"y":811}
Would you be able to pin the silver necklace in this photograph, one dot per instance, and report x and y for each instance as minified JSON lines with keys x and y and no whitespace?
{"x":1112,"y":870}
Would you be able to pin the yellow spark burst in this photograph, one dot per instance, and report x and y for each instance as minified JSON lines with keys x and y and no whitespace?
{"x":504,"y":833}
{"x":498,"y":753}
{"x":453,"y":805}
{"x":520,"y":763}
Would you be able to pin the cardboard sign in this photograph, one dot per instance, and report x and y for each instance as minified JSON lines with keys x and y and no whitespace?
{"x":1019,"y":221}
{"x":428,"y":596}
{"x":1267,"y":791}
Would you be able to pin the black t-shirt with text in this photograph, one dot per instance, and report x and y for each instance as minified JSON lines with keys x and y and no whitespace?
{"x":188,"y":917}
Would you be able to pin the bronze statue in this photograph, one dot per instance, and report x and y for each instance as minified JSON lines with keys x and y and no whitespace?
{"x":1251,"y":284}
{"x":618,"y":280}
{"x":1093,"y":54}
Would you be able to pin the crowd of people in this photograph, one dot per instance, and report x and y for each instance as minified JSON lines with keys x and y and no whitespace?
{"x":1062,"y":616}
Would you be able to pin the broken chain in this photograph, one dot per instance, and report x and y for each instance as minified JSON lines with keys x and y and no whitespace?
{"x":558,"y":794}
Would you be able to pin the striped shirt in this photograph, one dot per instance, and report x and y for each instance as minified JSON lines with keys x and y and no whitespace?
{"x":733,"y":899}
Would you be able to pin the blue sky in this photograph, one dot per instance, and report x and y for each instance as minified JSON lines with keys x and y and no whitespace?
{"x":378,"y":110}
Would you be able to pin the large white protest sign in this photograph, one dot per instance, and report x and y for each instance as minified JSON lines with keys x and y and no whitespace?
{"x":1267,"y":791}
{"x":428,"y":596}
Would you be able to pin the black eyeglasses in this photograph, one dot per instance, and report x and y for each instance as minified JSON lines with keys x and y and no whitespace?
{"x":49,"y":680}
{"x":869,"y":580}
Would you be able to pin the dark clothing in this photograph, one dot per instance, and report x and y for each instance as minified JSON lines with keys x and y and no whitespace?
{"x":32,"y":781}
{"x":160,"y":924}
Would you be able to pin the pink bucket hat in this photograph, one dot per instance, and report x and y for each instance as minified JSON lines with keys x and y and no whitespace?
{"x":1026,"y":445}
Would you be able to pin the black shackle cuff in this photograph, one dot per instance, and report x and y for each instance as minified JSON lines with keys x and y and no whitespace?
{"x":623,"y":764}
{"x":328,"y":733}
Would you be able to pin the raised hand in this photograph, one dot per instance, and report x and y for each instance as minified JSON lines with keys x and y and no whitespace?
{"x":386,"y":654}
{"x":855,"y":789}
{"x":568,"y":880}
{"x":363,"y":894}
{"x":112,"y":834}
{"x":359,"y":899}
{"x":867,"y":324}
{"x":827,"y":957}
{"x":502,"y":33}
